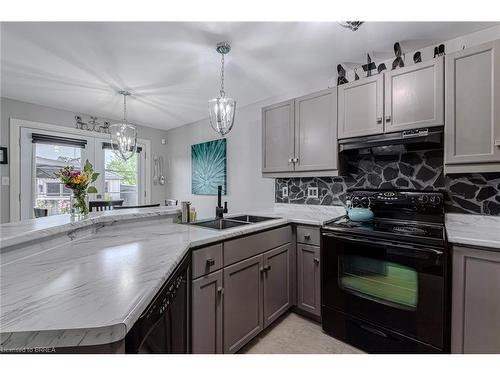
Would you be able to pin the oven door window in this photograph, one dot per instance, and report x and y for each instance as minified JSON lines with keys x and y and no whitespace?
{"x":379,"y":280}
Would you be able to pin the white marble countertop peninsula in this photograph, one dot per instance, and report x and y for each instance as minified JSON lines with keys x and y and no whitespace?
{"x":92,"y":289}
{"x":35,"y":229}
{"x":473,"y":230}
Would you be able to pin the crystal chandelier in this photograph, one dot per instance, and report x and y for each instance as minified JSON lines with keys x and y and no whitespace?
{"x":124,"y":135}
{"x":351,"y":25}
{"x":221,"y":110}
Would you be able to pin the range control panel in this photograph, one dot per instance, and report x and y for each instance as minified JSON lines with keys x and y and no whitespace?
{"x":370,"y":198}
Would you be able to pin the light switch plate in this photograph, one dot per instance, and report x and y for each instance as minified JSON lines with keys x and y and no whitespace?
{"x":312,"y":192}
{"x":284,"y":191}
{"x":5,"y":181}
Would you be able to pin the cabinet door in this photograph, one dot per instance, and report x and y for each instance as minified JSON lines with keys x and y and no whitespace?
{"x":316,"y":131}
{"x":472,"y":133}
{"x":414,"y":96}
{"x":242,"y":302}
{"x":475,"y":301}
{"x":278,"y":137}
{"x":308,"y":279}
{"x":277,"y":283}
{"x":361,"y":107}
{"x":206,"y":314}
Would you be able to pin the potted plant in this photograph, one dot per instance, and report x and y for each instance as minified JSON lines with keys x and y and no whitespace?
{"x":79,"y":181}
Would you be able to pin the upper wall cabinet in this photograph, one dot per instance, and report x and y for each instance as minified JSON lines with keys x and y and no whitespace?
{"x":299,"y":137}
{"x":401,"y":99}
{"x":472,"y":132}
{"x":361,"y":107}
{"x":414,"y":96}
{"x":278,"y":137}
{"x":316,"y":131}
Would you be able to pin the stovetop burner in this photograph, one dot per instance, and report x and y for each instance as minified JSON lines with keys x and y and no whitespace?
{"x":392,"y":229}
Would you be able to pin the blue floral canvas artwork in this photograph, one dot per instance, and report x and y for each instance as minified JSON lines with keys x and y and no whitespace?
{"x":208,"y":167}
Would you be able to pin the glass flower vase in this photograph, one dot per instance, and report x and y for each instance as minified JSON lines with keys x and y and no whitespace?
{"x":79,"y":205}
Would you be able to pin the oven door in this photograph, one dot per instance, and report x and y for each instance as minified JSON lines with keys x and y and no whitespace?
{"x":397,"y":285}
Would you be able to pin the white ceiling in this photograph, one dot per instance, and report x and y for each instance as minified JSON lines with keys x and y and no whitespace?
{"x":172,"y":68}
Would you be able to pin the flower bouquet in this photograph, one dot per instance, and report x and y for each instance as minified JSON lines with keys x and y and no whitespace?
{"x":78,"y":182}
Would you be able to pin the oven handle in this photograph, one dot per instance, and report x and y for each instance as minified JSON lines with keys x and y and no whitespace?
{"x":388,"y":244}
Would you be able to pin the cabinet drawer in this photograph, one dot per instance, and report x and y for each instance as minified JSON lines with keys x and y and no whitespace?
{"x":246,"y":247}
{"x":308,"y":235}
{"x":206,"y":260}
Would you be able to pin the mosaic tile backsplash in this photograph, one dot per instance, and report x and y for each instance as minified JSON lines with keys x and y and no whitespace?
{"x":477,"y":193}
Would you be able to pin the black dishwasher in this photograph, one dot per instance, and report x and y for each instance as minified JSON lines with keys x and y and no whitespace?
{"x":164,"y":327}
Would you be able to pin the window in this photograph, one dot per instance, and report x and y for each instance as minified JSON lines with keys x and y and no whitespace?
{"x":121,"y":178}
{"x":49,"y":158}
{"x":48,"y":148}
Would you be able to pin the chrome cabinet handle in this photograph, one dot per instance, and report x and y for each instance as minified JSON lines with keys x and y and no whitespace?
{"x":316,"y":260}
{"x":387,"y":118}
{"x":307,"y":237}
{"x":379,"y":120}
{"x":290,"y":161}
{"x":497,"y":142}
{"x":267,"y":268}
{"x":296,"y":160}
{"x":261,"y":269}
{"x":210,"y":262}
{"x":220,"y":290}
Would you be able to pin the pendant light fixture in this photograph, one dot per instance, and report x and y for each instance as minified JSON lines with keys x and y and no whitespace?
{"x":124,"y":135}
{"x":221,"y":109}
{"x":351,"y":25}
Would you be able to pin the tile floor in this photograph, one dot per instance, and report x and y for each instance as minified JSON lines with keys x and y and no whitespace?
{"x":294,"y":334}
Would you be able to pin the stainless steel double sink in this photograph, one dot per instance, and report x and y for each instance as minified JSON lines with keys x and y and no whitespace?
{"x":231,"y":222}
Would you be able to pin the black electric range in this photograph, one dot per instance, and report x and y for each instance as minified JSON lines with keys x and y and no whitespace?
{"x":385,"y":282}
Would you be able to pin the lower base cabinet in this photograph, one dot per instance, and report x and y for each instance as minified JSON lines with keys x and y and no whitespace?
{"x":256,"y":292}
{"x":475,"y":301}
{"x":277,"y":283}
{"x":308,"y":279}
{"x":242,"y":303}
{"x":207,"y":293}
{"x":234,"y":304}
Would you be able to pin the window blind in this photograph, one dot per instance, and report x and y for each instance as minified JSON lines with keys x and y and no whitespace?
{"x":53,"y":140}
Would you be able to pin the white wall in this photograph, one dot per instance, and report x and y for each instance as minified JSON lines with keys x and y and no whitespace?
{"x":247,"y":190}
{"x":26,"y":111}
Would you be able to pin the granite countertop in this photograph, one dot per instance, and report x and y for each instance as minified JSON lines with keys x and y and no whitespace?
{"x":473,"y":230}
{"x":91,"y":290}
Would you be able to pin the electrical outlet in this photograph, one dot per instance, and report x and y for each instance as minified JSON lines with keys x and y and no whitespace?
{"x":312,"y":192}
{"x":5,"y":181}
{"x":284,"y":191}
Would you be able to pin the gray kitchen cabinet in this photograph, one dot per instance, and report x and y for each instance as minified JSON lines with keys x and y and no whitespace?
{"x":278,"y":137}
{"x":243,"y":315}
{"x":361,"y":107}
{"x":277,"y":283}
{"x":207,"y":294}
{"x":316,"y":131}
{"x":472,"y":130}
{"x":254,"y":284}
{"x":308,"y":279}
{"x":414,"y":96}
{"x":475,"y":301}
{"x":299,"y":136}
